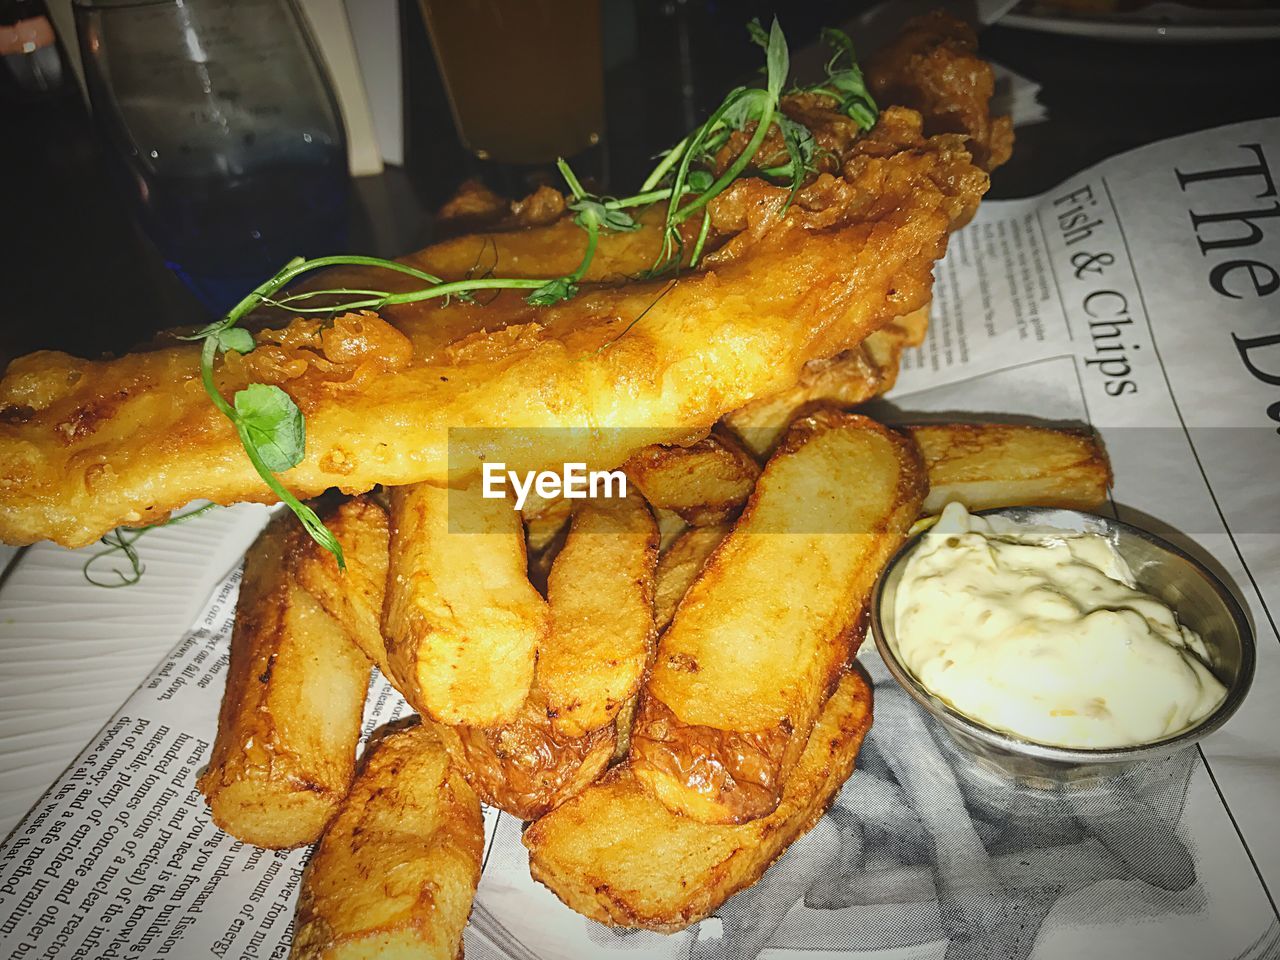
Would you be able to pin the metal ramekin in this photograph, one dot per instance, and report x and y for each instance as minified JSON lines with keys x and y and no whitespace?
{"x":1201,"y":601}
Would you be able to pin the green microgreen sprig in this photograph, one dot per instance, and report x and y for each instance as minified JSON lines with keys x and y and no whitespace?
{"x":120,"y":541}
{"x":268,"y":422}
{"x":845,"y":82}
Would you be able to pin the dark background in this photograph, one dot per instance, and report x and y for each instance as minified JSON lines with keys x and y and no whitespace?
{"x":78,"y":275}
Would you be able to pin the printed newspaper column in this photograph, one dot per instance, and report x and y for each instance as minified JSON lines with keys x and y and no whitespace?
{"x":1165,"y":267}
{"x":1200,"y":224}
{"x":119,"y":858}
{"x":995,"y":285}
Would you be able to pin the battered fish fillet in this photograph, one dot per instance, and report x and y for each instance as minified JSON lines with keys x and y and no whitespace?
{"x":933,"y":66}
{"x":88,"y":445}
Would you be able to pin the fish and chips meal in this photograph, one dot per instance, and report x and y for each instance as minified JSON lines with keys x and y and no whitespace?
{"x":707,"y":721}
{"x":663,"y":683}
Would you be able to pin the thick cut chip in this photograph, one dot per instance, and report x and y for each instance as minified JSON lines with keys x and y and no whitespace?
{"x":544,"y":523}
{"x":545,"y":528}
{"x":525,"y":767}
{"x":353,"y":597}
{"x":761,"y":636}
{"x":520,"y":766}
{"x":987,"y":465}
{"x":290,"y":717}
{"x":884,"y":347}
{"x":683,"y":550}
{"x":670,"y":526}
{"x":589,"y":666}
{"x":705,"y":482}
{"x":910,"y":328}
{"x":461,"y":620}
{"x":679,"y":567}
{"x":622,"y":725}
{"x":395,"y":873}
{"x":601,"y":596}
{"x":617,"y":855}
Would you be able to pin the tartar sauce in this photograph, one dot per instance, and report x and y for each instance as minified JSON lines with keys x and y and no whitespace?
{"x":1043,"y":634}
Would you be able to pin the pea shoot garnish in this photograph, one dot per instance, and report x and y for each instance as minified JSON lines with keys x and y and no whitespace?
{"x":271,"y":427}
{"x":120,"y":541}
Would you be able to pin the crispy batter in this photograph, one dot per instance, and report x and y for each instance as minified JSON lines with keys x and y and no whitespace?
{"x":601,"y":596}
{"x":845,"y":380}
{"x":88,"y":445}
{"x":462,"y":622}
{"x":705,"y":482}
{"x":743,"y":670}
{"x":617,"y":855}
{"x":395,"y":873}
{"x":933,"y":66}
{"x":986,"y":465}
{"x":290,"y":716}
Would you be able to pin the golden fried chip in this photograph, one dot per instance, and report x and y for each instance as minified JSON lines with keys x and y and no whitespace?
{"x":601,"y":596}
{"x":743,"y":670}
{"x":545,"y":530}
{"x":544,"y":524}
{"x":461,"y":620}
{"x":670,"y":526}
{"x":884,"y":347}
{"x":986,"y":465}
{"x":679,"y":567}
{"x":525,"y":767}
{"x":395,"y":873}
{"x":704,"y":483}
{"x":290,"y":717}
{"x":353,"y":597}
{"x":617,"y":855}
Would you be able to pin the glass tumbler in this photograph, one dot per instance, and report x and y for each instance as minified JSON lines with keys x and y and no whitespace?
{"x":524,"y":77}
{"x":218,"y":120}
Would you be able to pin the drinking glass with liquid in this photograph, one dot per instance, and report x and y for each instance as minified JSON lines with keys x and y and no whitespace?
{"x":524,"y":77}
{"x":219,"y":122}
